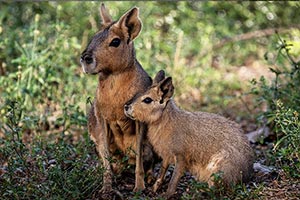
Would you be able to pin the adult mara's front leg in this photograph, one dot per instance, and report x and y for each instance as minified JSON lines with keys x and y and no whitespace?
{"x":103,"y":150}
{"x":99,"y":132}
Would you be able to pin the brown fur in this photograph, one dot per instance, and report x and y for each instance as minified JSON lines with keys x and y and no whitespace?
{"x":203,"y":143}
{"x":120,"y":78}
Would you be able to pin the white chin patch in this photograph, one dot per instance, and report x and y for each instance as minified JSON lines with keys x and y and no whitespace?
{"x":88,"y":68}
{"x":83,"y":68}
{"x":128,"y":114}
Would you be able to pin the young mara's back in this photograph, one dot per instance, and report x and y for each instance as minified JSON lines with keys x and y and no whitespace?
{"x":209,"y":142}
{"x":214,"y":143}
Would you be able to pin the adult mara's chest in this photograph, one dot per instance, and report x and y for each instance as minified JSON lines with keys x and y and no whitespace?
{"x":113,"y":93}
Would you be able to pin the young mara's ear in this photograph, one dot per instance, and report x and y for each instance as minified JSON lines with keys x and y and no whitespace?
{"x":105,"y":16}
{"x":130,"y":24}
{"x":159,"y":77}
{"x":166,"y":89}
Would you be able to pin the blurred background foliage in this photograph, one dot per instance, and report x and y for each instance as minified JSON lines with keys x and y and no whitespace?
{"x":41,"y":44}
{"x":205,"y":46}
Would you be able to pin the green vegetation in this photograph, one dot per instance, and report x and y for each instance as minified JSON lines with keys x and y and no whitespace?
{"x":282,"y":98}
{"x":45,"y":150}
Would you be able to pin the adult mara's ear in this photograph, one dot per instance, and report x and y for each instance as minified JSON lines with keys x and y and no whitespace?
{"x":130,"y":24}
{"x":105,"y":16}
{"x":166,"y":89}
{"x":159,"y":77}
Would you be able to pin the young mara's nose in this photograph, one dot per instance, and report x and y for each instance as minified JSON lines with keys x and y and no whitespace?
{"x":126,"y":107}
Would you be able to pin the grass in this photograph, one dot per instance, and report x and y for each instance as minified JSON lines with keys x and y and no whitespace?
{"x":53,"y":168}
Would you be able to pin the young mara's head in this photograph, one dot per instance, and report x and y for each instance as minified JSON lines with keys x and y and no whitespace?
{"x":148,"y":107}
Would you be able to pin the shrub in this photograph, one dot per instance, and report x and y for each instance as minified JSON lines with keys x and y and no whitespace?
{"x":282,"y":97}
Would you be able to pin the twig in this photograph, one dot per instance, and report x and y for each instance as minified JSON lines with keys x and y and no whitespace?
{"x":250,"y":35}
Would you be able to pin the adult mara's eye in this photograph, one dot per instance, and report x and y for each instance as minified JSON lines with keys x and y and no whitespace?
{"x":115,"y":42}
{"x":147,"y":100}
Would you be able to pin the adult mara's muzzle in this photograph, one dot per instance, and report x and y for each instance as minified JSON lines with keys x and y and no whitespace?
{"x":88,"y":63}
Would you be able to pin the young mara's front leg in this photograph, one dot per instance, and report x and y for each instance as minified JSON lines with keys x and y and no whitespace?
{"x":140,"y":129}
{"x":178,"y":171}
{"x":162,"y":173}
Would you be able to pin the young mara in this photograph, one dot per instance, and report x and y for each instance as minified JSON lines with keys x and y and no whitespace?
{"x":200,"y":142}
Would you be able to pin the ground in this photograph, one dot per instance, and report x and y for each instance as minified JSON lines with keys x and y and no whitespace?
{"x":267,"y":183}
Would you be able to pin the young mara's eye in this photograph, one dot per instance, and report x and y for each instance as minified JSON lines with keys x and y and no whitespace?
{"x":147,"y":100}
{"x":115,"y":42}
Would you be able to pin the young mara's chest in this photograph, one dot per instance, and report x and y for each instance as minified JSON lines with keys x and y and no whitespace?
{"x":160,"y":136}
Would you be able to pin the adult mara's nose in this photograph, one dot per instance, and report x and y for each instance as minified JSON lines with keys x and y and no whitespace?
{"x":86,"y":59}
